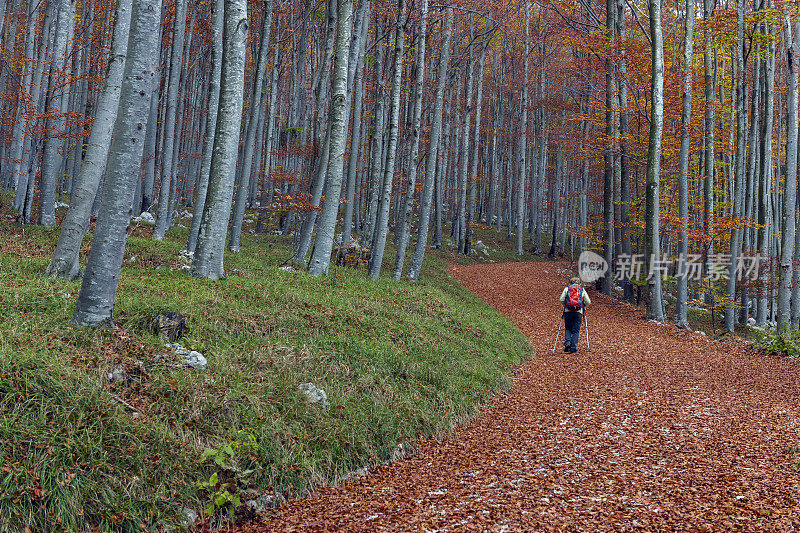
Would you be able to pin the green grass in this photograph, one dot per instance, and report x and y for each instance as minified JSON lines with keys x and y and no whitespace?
{"x":399,"y":361}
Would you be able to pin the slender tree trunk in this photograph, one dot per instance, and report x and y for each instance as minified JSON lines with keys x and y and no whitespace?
{"x":65,"y":262}
{"x":96,"y":299}
{"x":709,"y":157}
{"x":523,"y":141}
{"x":209,"y":255}
{"x":739,"y":171}
{"x":163,"y":216}
{"x":654,"y":304}
{"x":269,"y":186}
{"x":608,"y":186}
{"x":790,"y":186}
{"x":461,"y":216}
{"x":51,"y":162}
{"x":355,"y":143}
{"x":18,"y":138}
{"x":150,"y":155}
{"x":23,"y":199}
{"x":382,"y":217}
{"x":337,"y":128}
{"x":376,"y":150}
{"x":256,"y":105}
{"x":211,"y":122}
{"x":473,"y":175}
{"x":681,"y":319}
{"x":765,"y":176}
{"x":404,"y":227}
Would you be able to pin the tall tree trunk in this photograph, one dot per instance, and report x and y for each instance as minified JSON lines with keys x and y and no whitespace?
{"x":429,"y":186}
{"x":355,"y":142}
{"x":765,"y":174}
{"x":256,"y":106}
{"x":752,"y":190}
{"x":376,"y":146}
{"x":624,"y":160}
{"x":739,"y":171}
{"x":709,"y":69}
{"x":473,"y":175}
{"x":56,"y":121}
{"x":337,"y":128}
{"x":96,"y":299}
{"x":382,"y":217}
{"x":150,"y":155}
{"x":404,"y":226}
{"x":23,"y":199}
{"x":523,"y":141}
{"x":461,"y":216}
{"x":790,"y":186}
{"x":164,"y":216}
{"x":218,"y":26}
{"x":65,"y":262}
{"x":608,"y":185}
{"x":681,"y":319}
{"x":209,"y":255}
{"x":16,"y":168}
{"x":655,"y":310}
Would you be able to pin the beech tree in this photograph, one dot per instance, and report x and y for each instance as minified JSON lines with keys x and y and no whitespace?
{"x":209,"y":258}
{"x":561,"y":120}
{"x":65,"y":262}
{"x":99,"y":287}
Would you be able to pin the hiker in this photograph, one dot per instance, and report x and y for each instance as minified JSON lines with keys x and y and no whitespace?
{"x":575,"y":299}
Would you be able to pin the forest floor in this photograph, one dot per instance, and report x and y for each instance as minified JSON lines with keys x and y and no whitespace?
{"x":654,"y":428}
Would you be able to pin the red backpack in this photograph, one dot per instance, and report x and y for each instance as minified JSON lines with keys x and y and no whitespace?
{"x":574,"y":301}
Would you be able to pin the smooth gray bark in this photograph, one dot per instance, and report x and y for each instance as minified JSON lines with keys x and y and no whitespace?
{"x":382,"y":215}
{"x":211,"y":123}
{"x":51,"y":162}
{"x":682,"y":290}
{"x":404,"y":225}
{"x":150,"y":156}
{"x":433,"y":152}
{"x":256,"y":106}
{"x":765,"y":174}
{"x":163,"y":215}
{"x":96,"y":299}
{"x":523,"y":139}
{"x":739,"y":170}
{"x":355,"y":143}
{"x":790,"y":186}
{"x":209,"y":254}
{"x":337,"y":120}
{"x":65,"y":262}
{"x":655,"y":309}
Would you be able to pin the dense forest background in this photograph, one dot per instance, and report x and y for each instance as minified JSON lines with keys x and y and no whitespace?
{"x":663,"y":137}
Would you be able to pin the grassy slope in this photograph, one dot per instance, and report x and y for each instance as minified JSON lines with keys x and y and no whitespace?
{"x":398,"y":361}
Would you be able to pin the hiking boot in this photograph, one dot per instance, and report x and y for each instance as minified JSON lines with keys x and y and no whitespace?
{"x":573,"y":350}
{"x":567,"y":349}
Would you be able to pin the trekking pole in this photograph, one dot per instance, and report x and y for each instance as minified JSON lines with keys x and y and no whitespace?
{"x":558,"y":333}
{"x":586,"y":320}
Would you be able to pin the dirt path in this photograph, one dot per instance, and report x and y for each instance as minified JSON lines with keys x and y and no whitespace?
{"x":654,"y":429}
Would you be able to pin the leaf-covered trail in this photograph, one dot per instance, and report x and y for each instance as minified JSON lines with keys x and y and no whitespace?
{"x":654,"y":429}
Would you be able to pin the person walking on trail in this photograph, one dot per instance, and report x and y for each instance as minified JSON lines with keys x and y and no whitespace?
{"x":575,"y":299}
